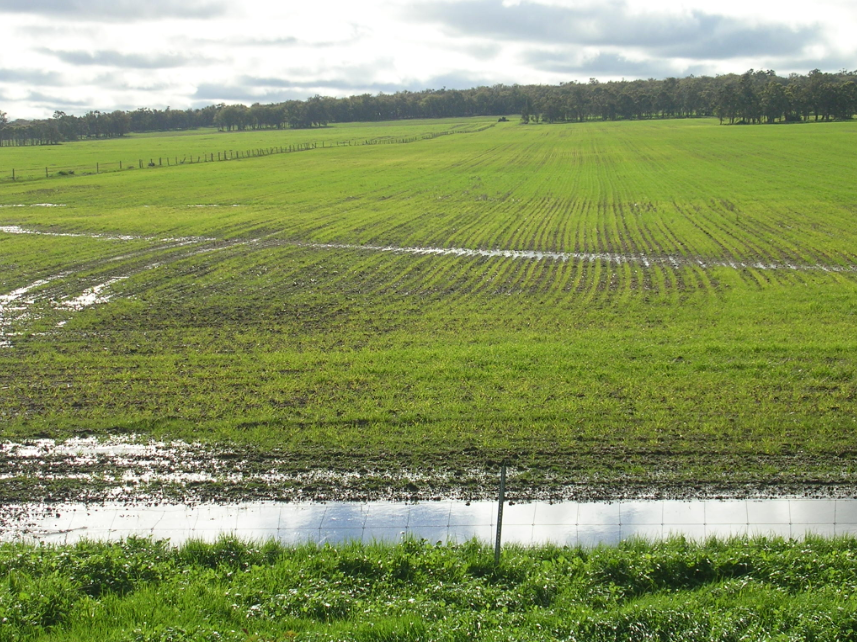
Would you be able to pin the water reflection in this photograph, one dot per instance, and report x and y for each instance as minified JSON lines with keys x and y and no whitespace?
{"x":570,"y":523}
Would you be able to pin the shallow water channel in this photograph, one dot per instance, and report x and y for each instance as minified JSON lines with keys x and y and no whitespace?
{"x":564,"y":523}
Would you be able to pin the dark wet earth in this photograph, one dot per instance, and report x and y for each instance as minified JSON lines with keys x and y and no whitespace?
{"x":88,"y":470}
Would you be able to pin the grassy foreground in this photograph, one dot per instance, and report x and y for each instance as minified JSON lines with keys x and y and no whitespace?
{"x":705,"y":328}
{"x":142,"y":590}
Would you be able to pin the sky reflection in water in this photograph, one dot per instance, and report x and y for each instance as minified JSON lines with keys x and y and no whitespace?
{"x":564,"y":523}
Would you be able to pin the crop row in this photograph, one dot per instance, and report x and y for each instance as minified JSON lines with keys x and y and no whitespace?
{"x":551,"y":289}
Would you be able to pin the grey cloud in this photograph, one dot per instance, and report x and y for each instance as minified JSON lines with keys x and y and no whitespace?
{"x":243,"y":94}
{"x":119,"y":59}
{"x":289,"y":41}
{"x":358,"y":33}
{"x":285,"y":41}
{"x":358,"y":79}
{"x":722,"y":42}
{"x":827,"y":63}
{"x":321,"y":83}
{"x":271,"y":90}
{"x":450,"y":81}
{"x":485,"y":51}
{"x":119,"y":80}
{"x":249,"y":94}
{"x":31,"y":77}
{"x":606,"y":64}
{"x":117,"y":10}
{"x":341,"y":77}
{"x":52,"y":31}
{"x":249,"y":42}
{"x":54,"y":101}
{"x":694,"y":35}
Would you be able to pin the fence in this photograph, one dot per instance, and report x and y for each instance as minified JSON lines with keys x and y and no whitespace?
{"x":564,"y":523}
{"x":54,"y":171}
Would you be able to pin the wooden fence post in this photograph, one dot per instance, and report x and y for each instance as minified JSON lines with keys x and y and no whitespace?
{"x":500,"y":513}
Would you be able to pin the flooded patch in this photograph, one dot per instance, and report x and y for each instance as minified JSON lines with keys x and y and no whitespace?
{"x":96,"y":471}
{"x":182,"y":240}
{"x":91,"y":296}
{"x":672,"y":261}
{"x":34,"y":205}
{"x":563,"y":523}
{"x":644,"y":260}
{"x":14,"y":307}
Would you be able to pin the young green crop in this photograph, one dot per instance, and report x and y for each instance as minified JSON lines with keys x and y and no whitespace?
{"x":695,"y":322}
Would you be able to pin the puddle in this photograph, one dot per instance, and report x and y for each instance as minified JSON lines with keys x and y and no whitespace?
{"x":182,"y":240}
{"x":140,"y":469}
{"x":644,"y":260}
{"x":35,"y":205}
{"x":143,"y":470}
{"x":565,"y":523}
{"x":590,"y":257}
{"x":90,"y":297}
{"x":15,"y":306}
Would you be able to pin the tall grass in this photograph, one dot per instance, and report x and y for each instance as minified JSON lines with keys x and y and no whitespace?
{"x":235,"y":590}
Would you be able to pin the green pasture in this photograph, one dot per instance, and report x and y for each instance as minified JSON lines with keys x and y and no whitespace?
{"x":712,"y":307}
{"x":188,"y":147}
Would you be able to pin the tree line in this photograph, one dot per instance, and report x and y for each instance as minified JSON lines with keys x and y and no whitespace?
{"x":752,"y":97}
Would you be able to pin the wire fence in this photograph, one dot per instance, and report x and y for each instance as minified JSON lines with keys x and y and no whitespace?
{"x":563,"y":523}
{"x":31,"y":173}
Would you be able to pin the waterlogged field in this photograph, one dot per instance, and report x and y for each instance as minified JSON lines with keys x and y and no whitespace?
{"x":650,"y":308}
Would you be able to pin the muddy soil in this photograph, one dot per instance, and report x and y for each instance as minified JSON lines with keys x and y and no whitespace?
{"x":86,"y":470}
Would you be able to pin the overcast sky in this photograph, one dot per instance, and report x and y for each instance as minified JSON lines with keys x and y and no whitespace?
{"x":77,"y":55}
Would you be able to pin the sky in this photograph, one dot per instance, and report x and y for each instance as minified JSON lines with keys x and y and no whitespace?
{"x":81,"y":55}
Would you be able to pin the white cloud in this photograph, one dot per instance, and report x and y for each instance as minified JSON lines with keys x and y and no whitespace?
{"x":115,"y":10}
{"x":106,"y":54}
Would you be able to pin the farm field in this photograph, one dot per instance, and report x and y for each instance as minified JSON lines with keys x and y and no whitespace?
{"x":203,"y":145}
{"x":624,"y":308}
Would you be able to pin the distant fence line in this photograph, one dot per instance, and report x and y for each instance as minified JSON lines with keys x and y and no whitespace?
{"x":35,"y":173}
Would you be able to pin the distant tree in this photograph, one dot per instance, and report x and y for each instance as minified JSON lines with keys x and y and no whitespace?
{"x":295,"y":114}
{"x":799,"y":103}
{"x":122,"y":122}
{"x":846,"y":102}
{"x":316,"y":112}
{"x":667,"y":99}
{"x":525,"y":111}
{"x":752,"y":97}
{"x":727,"y":102}
{"x":232,"y":117}
{"x":775,"y":102}
{"x":749,"y":104}
{"x":66,"y":125}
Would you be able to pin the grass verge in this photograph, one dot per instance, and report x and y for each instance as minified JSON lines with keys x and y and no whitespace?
{"x":146,"y":591}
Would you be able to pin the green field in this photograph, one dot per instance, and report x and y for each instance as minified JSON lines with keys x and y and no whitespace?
{"x":232,"y":591}
{"x":695,"y":326}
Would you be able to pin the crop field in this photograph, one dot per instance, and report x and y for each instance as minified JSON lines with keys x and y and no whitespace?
{"x":643,"y":308}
